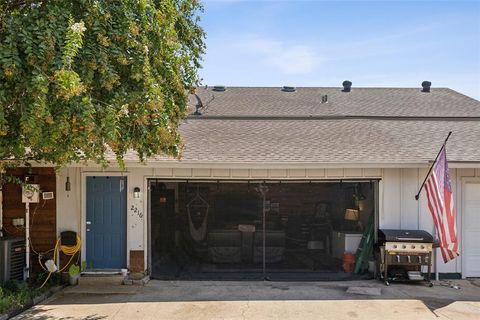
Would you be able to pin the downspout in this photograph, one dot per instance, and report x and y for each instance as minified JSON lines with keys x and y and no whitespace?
{"x":27,"y":240}
{"x":1,"y":209}
{"x":1,"y":203}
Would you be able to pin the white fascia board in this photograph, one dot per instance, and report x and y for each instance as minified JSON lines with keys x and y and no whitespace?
{"x":293,"y":165}
{"x":268,"y":165}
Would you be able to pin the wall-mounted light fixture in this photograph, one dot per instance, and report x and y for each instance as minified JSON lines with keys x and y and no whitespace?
{"x":136,"y":192}
{"x":68,"y":185}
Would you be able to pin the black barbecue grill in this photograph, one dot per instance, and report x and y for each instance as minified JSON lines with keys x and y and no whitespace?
{"x":402,"y":253}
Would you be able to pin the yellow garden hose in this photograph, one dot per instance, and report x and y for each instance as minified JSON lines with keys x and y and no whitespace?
{"x":66,"y":250}
{"x":70,"y":250}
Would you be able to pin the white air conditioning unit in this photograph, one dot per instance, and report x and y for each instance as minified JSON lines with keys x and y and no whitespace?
{"x":31,"y":193}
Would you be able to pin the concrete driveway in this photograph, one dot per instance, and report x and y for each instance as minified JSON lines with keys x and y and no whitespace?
{"x":262,"y":300}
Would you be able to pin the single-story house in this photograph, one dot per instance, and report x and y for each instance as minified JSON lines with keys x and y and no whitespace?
{"x":333,"y":161}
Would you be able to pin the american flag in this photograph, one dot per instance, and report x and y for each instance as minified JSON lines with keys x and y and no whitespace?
{"x":440,"y":205}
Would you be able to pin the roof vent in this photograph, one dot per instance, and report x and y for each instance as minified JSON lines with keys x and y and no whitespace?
{"x":426,"y":86}
{"x":325,"y":99}
{"x":347,"y":86}
{"x":288,"y":89}
{"x":219,"y":88}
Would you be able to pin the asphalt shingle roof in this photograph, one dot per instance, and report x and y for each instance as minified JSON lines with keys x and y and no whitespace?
{"x":328,"y":141}
{"x":366,"y":125}
{"x":271,"y":101}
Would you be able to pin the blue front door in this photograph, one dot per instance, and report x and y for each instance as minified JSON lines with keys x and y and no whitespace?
{"x":106,"y":226}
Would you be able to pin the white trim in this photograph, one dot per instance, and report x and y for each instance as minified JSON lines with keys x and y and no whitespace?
{"x":146,"y":225}
{"x":83,"y":201}
{"x":265,"y":164}
{"x":465,"y":181}
{"x":381,"y":211}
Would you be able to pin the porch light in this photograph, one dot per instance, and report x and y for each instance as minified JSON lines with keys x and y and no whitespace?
{"x":136,"y":193}
{"x":68,"y":185}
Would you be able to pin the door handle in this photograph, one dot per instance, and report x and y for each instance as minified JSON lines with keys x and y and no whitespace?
{"x":88,"y":229}
{"x":89,"y":222}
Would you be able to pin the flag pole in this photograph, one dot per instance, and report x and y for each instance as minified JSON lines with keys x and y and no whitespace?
{"x":431,"y":167}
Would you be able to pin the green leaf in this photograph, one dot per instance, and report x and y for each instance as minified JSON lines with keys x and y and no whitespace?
{"x":69,"y":95}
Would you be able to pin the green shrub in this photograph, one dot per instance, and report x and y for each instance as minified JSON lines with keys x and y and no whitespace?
{"x":16,"y":294}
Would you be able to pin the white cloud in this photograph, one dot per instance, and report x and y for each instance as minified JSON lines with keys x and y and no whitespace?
{"x":288,"y":58}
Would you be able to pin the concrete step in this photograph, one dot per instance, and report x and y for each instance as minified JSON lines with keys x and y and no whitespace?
{"x":100,"y":279}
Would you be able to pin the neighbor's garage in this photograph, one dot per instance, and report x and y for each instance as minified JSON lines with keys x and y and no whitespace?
{"x":249,"y":230}
{"x":471,"y":229}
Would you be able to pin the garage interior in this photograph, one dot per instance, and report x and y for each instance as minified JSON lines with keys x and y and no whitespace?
{"x":275,"y":230}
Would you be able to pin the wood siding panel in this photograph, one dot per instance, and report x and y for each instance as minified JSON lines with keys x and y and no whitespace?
{"x":42,"y":215}
{"x":221,"y":172}
{"x":181,"y":172}
{"x":390,"y":219}
{"x":259,"y":173}
{"x":163,"y":172}
{"x":409,"y":206}
{"x":240,"y":173}
{"x":297,"y":173}
{"x":316,"y":173}
{"x":201,"y":172}
{"x":335,"y":173}
{"x":372,"y":173}
{"x":278,"y":173}
{"x":353,"y":173}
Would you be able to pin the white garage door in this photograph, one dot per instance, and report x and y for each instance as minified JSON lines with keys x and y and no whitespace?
{"x":471,"y":231}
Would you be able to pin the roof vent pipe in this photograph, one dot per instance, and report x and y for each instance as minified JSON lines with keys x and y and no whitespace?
{"x":288,"y":89}
{"x":219,"y":88}
{"x":347,"y":86}
{"x":426,"y":86}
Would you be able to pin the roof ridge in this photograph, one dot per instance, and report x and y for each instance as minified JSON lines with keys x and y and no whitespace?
{"x":324,"y":87}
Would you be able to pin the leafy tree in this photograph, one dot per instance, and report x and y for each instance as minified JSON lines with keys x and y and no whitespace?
{"x":80,"y":79}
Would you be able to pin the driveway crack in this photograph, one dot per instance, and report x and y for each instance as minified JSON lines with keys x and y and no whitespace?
{"x":245,"y":309}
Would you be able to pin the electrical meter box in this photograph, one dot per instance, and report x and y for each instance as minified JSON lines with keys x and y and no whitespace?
{"x":31,"y":193}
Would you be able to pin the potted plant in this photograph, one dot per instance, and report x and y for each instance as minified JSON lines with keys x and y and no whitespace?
{"x":74,"y":274}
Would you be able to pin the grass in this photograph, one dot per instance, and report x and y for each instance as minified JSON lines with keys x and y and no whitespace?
{"x":16,"y":295}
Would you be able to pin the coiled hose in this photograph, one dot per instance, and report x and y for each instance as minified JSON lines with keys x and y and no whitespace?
{"x":66,"y":250}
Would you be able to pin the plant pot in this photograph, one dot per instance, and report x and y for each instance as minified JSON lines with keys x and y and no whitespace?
{"x":74,"y":280}
{"x":65,"y":277}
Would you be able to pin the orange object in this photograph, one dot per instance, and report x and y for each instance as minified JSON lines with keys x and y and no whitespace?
{"x":348,"y":262}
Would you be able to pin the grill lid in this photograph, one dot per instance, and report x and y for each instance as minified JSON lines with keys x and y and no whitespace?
{"x":386,"y":235}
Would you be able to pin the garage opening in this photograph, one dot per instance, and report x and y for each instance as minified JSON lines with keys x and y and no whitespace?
{"x":259,"y":229}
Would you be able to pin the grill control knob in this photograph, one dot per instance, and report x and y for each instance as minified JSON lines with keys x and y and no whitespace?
{"x":413,"y":246}
{"x":422,"y":247}
{"x":394,"y":246}
{"x":404,"y":246}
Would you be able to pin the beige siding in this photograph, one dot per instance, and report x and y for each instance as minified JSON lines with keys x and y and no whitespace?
{"x":401,"y":210}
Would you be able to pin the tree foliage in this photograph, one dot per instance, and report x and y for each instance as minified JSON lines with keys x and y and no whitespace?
{"x":82,"y":78}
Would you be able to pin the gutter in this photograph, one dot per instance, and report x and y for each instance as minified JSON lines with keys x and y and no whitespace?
{"x":173,"y":164}
{"x":1,"y":210}
{"x":333,"y":117}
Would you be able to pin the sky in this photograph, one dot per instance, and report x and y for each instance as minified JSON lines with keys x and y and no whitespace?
{"x":322,"y":43}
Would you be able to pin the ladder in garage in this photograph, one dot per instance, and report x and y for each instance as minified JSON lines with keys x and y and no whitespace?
{"x":365,"y":247}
